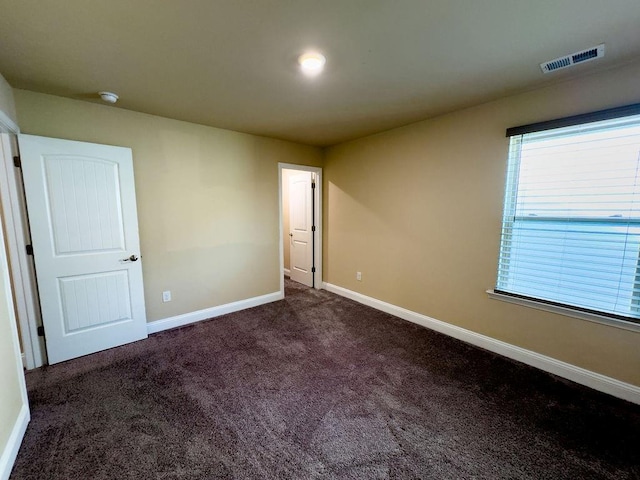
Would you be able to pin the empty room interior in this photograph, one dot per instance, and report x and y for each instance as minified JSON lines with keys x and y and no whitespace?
{"x":340,"y":239}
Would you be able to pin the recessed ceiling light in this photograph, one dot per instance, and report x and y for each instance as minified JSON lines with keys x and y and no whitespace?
{"x":312,"y":63}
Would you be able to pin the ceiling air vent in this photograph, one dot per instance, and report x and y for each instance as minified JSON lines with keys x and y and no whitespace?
{"x":573,"y":59}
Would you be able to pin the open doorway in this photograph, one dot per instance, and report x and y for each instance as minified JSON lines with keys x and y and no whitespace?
{"x":71,"y":315}
{"x":300,"y":194}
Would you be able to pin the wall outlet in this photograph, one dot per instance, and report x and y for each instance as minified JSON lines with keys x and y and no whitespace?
{"x":166,"y":296}
{"x":359,"y":276}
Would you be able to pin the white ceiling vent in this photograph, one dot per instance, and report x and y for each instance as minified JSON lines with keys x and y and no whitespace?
{"x":573,"y":59}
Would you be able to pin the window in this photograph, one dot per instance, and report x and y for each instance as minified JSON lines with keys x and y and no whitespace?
{"x":571,"y":224}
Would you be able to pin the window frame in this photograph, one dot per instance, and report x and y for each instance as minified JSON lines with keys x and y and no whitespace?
{"x":512,"y":174}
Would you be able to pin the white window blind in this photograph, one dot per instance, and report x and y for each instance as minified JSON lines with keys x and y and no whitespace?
{"x":571,"y":225}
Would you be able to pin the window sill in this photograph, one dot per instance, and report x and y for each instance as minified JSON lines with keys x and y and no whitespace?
{"x":569,"y":312}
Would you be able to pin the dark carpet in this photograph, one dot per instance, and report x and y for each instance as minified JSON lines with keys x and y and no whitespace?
{"x":317,"y":386}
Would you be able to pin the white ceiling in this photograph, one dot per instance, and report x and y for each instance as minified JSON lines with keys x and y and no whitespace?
{"x":232,"y":63}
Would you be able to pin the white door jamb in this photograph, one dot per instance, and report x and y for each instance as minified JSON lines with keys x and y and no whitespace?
{"x":22,"y":273}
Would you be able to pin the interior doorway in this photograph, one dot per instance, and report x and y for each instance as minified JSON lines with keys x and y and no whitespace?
{"x":23,"y":247}
{"x":22,"y":273}
{"x":300,"y":195}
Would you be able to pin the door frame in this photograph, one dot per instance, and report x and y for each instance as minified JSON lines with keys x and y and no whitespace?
{"x":317,"y":220}
{"x":26,"y":302}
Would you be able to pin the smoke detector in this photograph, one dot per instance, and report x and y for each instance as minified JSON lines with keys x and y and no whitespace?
{"x":109,"y":97}
{"x":573,"y":59}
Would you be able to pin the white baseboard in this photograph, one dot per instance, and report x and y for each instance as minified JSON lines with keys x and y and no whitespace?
{"x":571,"y":372}
{"x":287,"y":272}
{"x":10,"y":452}
{"x":198,"y":316}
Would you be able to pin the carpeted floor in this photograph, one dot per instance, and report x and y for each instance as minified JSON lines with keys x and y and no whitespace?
{"x":317,"y":386}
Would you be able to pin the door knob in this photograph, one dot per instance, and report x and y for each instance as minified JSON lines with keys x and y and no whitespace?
{"x":132,"y":258}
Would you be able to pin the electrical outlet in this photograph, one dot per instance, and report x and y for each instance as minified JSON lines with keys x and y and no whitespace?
{"x":359,"y":276}
{"x":166,"y":296}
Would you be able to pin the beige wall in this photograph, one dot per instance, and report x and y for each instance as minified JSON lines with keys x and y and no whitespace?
{"x":10,"y":364}
{"x":207,"y":198}
{"x":418,"y":211}
{"x":11,"y":400}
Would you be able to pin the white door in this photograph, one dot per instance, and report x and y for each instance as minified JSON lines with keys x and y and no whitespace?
{"x":300,"y":224}
{"x":84,"y":230}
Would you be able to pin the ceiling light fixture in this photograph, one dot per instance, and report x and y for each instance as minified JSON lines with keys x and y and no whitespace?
{"x":109,"y":97}
{"x":312,"y":63}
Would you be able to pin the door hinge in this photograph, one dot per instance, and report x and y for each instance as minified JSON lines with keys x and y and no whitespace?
{"x":41,"y":331}
{"x":29,"y":249}
{"x":313,"y":269}
{"x":313,"y":184}
{"x":17,"y":162}
{"x":313,"y":228}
